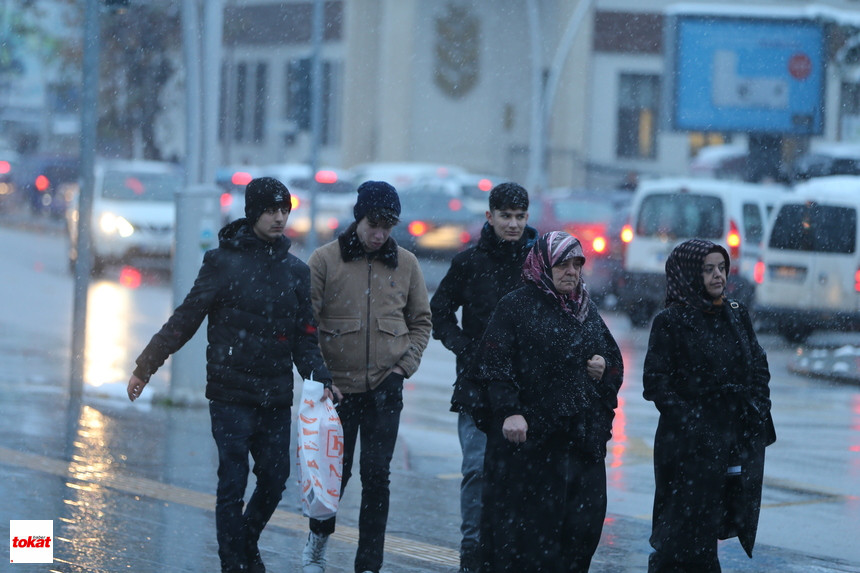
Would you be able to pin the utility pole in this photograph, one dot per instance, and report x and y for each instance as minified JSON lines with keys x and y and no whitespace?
{"x":83,"y":264}
{"x":318,"y":24}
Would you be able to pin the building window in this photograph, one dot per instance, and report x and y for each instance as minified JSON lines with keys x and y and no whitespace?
{"x":297,"y":107}
{"x":241,"y":91}
{"x":638,"y":104}
{"x":260,"y":99}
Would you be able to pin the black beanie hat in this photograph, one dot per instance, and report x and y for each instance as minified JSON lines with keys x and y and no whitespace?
{"x":509,"y":195}
{"x":263,"y":193}
{"x":377,"y":198}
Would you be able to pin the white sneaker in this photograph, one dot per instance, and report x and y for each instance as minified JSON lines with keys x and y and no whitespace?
{"x":313,"y":556}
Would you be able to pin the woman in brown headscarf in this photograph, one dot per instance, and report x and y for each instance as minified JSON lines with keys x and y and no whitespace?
{"x":552,"y":371}
{"x":708,"y":376}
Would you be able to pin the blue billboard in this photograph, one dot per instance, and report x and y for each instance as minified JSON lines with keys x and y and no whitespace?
{"x":733,"y":74}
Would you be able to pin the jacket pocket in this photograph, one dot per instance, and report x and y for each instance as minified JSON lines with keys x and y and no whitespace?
{"x":342,"y":343}
{"x":391,"y":342}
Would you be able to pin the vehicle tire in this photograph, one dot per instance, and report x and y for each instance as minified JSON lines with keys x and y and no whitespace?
{"x":795,"y":333}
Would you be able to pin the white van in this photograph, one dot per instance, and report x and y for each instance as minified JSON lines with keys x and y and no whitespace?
{"x":667,"y":212}
{"x":809,"y":273}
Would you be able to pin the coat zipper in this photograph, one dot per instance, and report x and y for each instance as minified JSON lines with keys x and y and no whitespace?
{"x":367,"y":328}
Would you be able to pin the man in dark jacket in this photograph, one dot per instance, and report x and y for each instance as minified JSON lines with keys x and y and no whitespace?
{"x":478,"y":278}
{"x":257,"y":297}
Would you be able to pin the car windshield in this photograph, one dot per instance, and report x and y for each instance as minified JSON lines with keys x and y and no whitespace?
{"x":813,"y":227}
{"x":681,"y":215}
{"x":140,"y":186}
{"x":582,"y":211}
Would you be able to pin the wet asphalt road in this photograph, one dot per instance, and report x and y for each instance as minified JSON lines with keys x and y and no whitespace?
{"x":131,"y":487}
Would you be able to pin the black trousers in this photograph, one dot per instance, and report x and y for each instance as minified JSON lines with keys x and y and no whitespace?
{"x":375,"y":417}
{"x":264,"y":433}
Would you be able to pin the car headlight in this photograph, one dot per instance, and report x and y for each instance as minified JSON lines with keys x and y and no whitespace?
{"x":111,"y":224}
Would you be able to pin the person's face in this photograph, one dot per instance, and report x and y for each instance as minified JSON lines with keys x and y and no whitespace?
{"x":508,"y":224}
{"x":372,"y":234}
{"x":271,"y":223}
{"x":566,"y":275}
{"x":714,"y":275}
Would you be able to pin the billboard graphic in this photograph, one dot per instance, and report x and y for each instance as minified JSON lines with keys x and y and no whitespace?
{"x":731,"y":74}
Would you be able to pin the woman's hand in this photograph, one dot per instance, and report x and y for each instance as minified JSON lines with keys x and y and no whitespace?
{"x":515,"y":428}
{"x":595,"y":366}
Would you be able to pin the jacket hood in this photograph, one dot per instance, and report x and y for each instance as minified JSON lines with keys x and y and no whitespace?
{"x":239,"y":235}
{"x":500,"y":248}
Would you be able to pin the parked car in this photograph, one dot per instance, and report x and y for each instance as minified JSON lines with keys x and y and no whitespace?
{"x":809,"y":271}
{"x":334,"y":195}
{"x":825,"y":159}
{"x":666,"y":212}
{"x":589,"y":216}
{"x":133,"y":216}
{"x":403,"y":174}
{"x":472,"y":188}
{"x":433,"y":225}
{"x":47,"y":182}
{"x":8,"y":164}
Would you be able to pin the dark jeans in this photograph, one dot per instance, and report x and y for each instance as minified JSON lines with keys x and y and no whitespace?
{"x":376,"y":416}
{"x":265,"y":434}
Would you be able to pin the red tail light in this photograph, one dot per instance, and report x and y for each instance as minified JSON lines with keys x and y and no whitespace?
{"x":226,"y":201}
{"x":758,"y":272}
{"x":326,"y":176}
{"x":240,"y":178}
{"x":733,"y":240}
{"x":465,"y":237}
{"x":417,"y":228}
{"x":485,"y":185}
{"x":455,"y":204}
{"x":857,"y":281}
{"x":42,"y":183}
{"x":4,"y":167}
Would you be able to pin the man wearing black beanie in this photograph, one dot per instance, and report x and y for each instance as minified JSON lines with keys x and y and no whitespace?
{"x":257,"y":298}
{"x":371,"y":302}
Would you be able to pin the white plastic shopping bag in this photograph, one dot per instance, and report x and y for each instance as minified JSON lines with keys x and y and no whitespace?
{"x":319,"y":449}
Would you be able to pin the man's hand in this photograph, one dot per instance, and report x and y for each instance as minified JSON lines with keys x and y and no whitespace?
{"x":595,"y":366}
{"x":515,"y":428}
{"x":135,"y":387}
{"x":335,"y":395}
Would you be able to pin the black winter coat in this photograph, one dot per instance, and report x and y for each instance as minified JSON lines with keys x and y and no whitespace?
{"x":477,"y":279}
{"x":532,"y":360}
{"x":257,"y":297}
{"x":708,"y":377}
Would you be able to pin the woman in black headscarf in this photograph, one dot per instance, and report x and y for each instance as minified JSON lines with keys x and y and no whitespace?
{"x":551,"y":370}
{"x":708,"y":376}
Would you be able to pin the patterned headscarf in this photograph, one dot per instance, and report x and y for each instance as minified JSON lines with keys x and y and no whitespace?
{"x":684,"y":283}
{"x":553,"y":248}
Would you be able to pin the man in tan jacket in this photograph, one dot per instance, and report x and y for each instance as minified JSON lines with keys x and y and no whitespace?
{"x":371,"y":303}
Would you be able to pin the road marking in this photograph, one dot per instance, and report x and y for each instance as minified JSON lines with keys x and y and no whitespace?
{"x":157,"y":490}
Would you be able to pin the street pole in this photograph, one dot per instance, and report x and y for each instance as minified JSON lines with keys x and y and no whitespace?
{"x":316,"y":115}
{"x":197,"y":207}
{"x":83,"y":264}
{"x":543,"y":91}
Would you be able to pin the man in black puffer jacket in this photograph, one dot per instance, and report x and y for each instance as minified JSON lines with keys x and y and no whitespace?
{"x":478,"y":278}
{"x":257,"y":297}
